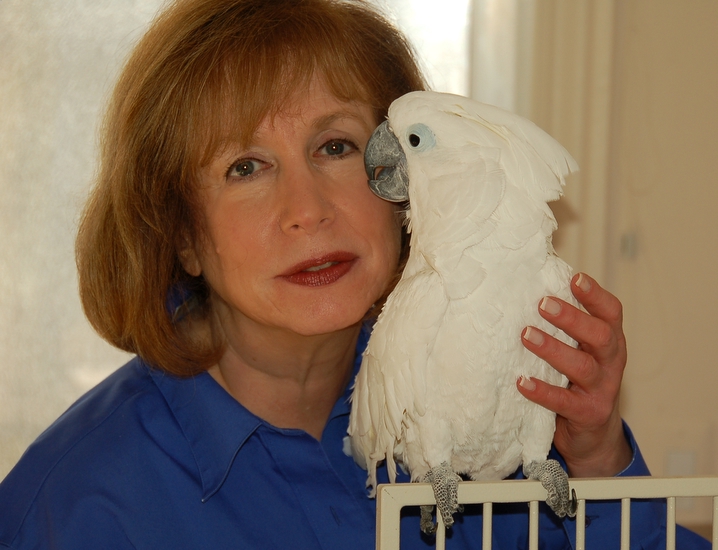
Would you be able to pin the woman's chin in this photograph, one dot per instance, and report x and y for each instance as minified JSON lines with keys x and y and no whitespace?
{"x":327,"y":310}
{"x":319,"y":327}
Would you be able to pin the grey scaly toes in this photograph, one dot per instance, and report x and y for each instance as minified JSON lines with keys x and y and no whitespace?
{"x":555,"y":480}
{"x":445,"y":483}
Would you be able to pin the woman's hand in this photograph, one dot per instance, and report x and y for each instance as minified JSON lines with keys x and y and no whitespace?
{"x":589,"y":433}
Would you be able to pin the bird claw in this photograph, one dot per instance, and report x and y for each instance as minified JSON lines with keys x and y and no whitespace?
{"x":445,"y":483}
{"x":555,"y":480}
{"x":427,"y":524}
{"x":573,"y":505}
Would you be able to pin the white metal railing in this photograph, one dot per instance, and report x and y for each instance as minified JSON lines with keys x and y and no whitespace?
{"x":392,"y":498}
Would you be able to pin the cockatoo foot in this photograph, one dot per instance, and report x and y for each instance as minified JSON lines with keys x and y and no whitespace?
{"x":555,"y":481}
{"x":427,"y":520}
{"x":445,"y":483}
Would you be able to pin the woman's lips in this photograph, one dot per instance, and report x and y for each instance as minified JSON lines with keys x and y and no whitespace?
{"x":320,"y":271}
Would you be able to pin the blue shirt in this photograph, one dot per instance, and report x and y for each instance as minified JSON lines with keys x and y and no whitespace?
{"x":151,"y":461}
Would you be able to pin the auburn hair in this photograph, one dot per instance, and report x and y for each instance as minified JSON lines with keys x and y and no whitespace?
{"x":207,"y":71}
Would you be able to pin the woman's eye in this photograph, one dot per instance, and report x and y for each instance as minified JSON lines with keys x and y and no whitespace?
{"x":337,"y":148}
{"x":244,"y":168}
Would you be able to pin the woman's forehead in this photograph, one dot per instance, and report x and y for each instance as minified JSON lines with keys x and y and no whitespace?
{"x":317,"y":104}
{"x":313,"y":104}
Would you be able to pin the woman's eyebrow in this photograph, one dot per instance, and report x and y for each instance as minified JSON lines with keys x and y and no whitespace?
{"x":327,"y":120}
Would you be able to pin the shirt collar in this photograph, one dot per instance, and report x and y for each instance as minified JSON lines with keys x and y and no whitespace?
{"x":216,"y":425}
{"x":213,"y":422}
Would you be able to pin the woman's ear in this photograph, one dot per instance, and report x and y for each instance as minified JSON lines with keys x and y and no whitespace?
{"x":188,"y":256}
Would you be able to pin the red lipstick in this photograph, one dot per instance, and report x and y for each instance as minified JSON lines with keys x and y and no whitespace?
{"x":320,"y":271}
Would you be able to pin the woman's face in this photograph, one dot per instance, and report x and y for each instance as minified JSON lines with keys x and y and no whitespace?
{"x":295,"y":240}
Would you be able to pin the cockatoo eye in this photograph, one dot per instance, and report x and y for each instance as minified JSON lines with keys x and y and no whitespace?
{"x":420,"y":137}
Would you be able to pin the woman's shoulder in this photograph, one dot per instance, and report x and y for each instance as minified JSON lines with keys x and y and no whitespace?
{"x":85,"y":444}
{"x":112,"y":397}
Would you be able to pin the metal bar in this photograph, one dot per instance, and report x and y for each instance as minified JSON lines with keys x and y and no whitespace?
{"x":671,"y":523}
{"x":581,"y":525}
{"x":440,"y":532}
{"x":391,"y":498}
{"x":388,"y":515}
{"x":625,"y":524}
{"x":488,"y":520}
{"x":533,"y":524}
{"x":586,"y":488}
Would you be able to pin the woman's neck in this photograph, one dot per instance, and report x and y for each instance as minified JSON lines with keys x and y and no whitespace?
{"x":289,"y":380}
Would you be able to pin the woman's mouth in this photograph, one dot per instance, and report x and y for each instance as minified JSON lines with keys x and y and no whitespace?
{"x":320,"y":271}
{"x":320,"y":267}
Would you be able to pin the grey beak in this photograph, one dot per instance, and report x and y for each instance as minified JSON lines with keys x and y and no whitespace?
{"x":383,"y":151}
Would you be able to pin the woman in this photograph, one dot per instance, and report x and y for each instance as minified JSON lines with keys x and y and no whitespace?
{"x":232,"y":243}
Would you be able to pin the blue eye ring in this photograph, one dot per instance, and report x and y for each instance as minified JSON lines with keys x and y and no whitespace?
{"x":420,"y":137}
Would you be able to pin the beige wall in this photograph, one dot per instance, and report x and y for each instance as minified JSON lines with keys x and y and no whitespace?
{"x":631,"y":88}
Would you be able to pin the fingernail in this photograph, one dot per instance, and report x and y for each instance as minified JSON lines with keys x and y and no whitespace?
{"x":527,"y":383}
{"x":534,"y":336}
{"x":583,"y":283}
{"x":550,"y":306}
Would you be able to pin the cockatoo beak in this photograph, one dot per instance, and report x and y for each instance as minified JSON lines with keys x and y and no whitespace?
{"x":385,"y":165}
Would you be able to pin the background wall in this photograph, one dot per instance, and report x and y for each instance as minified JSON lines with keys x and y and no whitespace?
{"x":664,"y":231}
{"x":630,"y":88}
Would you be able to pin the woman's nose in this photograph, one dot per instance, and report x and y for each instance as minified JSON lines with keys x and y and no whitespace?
{"x":305,"y":202}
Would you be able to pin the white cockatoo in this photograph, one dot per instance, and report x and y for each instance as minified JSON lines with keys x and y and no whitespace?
{"x":436,"y":391}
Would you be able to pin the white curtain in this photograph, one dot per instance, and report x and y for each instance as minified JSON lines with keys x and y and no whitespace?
{"x":58,"y":61}
{"x":439,"y":31}
{"x":481,"y":48}
{"x":501,"y":49}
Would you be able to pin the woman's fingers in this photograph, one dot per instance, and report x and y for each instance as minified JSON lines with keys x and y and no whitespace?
{"x":574,"y":363}
{"x":598,"y":330}
{"x":579,"y":401}
{"x":589,"y":431}
{"x":562,"y":401}
{"x":598,"y":302}
{"x":601,"y":348}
